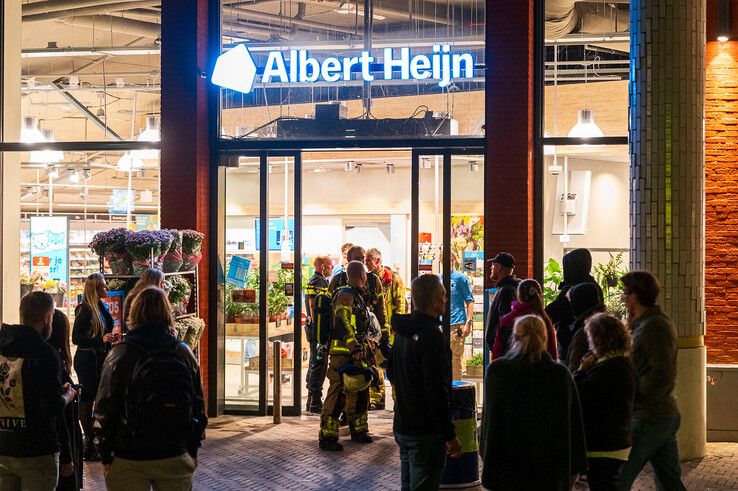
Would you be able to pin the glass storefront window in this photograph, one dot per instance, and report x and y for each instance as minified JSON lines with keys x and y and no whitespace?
{"x":331,"y":34}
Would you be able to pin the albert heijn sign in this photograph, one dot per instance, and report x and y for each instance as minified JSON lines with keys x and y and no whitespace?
{"x":237,"y":70}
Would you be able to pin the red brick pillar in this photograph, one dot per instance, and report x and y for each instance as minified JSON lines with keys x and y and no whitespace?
{"x":185,"y":144}
{"x":721,"y":190}
{"x":508,"y":188}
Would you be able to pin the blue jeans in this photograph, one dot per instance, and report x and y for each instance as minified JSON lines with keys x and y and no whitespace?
{"x":654,"y":441}
{"x":422,"y":458}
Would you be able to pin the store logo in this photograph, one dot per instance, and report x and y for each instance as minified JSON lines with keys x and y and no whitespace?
{"x":236,"y":69}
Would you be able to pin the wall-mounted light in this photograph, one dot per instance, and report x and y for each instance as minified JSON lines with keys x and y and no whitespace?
{"x":390,"y":168}
{"x":723,"y":21}
{"x":474,"y":166}
{"x":349,"y":166}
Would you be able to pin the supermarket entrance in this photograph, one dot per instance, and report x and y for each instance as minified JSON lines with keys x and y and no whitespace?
{"x":407,"y":203}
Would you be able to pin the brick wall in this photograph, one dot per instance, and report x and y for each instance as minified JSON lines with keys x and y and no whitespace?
{"x":721,"y":202}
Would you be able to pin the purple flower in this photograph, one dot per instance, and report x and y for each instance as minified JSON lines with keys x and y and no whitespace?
{"x":191,"y":240}
{"x":113,"y":240}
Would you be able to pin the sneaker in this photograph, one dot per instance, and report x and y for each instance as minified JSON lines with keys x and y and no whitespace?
{"x":362,"y":437}
{"x":330,"y":445}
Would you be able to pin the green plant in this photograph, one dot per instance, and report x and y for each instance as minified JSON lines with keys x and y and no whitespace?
{"x":476,"y":360}
{"x":233,"y":309}
{"x":179,"y":289}
{"x":553,"y":275}
{"x":277,"y":301}
{"x":608,"y":277}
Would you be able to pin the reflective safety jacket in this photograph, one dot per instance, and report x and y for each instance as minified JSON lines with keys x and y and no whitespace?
{"x":316,"y":285}
{"x":349,"y":321}
{"x":393,"y":291}
{"x":372,"y":294}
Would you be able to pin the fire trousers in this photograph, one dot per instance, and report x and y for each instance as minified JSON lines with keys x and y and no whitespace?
{"x":356,"y":404}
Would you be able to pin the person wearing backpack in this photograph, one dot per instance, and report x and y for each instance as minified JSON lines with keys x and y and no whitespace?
{"x":317,"y":320}
{"x":150,"y":411}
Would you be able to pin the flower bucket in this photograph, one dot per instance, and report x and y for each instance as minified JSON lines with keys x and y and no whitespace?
{"x":190,"y":261}
{"x":25,"y":290}
{"x":141,"y":265}
{"x":119,"y":263}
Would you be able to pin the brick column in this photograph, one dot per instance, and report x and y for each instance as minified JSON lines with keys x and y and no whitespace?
{"x":721,"y":191}
{"x":667,"y":193}
{"x":185,"y":143}
{"x":508,"y":187}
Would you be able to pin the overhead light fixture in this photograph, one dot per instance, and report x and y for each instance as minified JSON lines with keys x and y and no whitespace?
{"x":52,"y":172}
{"x":425,"y":163}
{"x":150,"y":134}
{"x":320,"y":170}
{"x":357,"y":168}
{"x":86,"y":174}
{"x":723,"y":30}
{"x":119,"y":82}
{"x":147,"y":196}
{"x":129,"y":162}
{"x":47,"y":156}
{"x":30,"y":132}
{"x":73,"y":176}
{"x":84,"y":193}
{"x":31,"y":82}
{"x":390,"y":168}
{"x":349,"y":166}
{"x":348,"y":8}
{"x":586,"y":126}
{"x":100,"y":113}
{"x":73,"y":82}
{"x":474,"y":166}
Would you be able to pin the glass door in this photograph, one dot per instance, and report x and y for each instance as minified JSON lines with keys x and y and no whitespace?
{"x":262,"y":298}
{"x":448,"y":240}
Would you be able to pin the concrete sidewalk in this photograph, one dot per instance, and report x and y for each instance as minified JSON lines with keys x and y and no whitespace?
{"x":252,"y":454}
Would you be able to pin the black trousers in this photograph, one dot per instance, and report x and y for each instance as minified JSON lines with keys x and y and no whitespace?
{"x":317,"y":368}
{"x":87,"y":364}
{"x":602,"y":473}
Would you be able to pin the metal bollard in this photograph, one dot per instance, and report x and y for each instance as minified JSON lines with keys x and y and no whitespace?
{"x":277,"y":372}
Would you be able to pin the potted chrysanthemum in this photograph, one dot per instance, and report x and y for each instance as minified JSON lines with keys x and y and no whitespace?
{"x":111,"y":245}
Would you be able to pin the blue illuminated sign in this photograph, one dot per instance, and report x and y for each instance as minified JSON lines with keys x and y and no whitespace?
{"x":237,"y":70}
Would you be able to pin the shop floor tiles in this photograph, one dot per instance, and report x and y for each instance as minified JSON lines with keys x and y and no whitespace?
{"x":248,"y":453}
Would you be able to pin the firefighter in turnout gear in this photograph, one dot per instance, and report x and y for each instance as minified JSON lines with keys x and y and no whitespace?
{"x":317,"y":285}
{"x":393,"y":294}
{"x":349,"y":345}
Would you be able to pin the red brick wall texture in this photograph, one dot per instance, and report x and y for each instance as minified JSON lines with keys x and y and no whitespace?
{"x":721,"y":202}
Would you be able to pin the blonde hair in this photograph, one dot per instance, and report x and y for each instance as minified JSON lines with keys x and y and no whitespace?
{"x":529,"y":338}
{"x":151,"y":306}
{"x":373,"y":253}
{"x":150,"y":277}
{"x":92,"y":299}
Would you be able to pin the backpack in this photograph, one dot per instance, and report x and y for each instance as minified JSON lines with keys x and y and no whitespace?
{"x":161,"y":396}
{"x":323,"y":318}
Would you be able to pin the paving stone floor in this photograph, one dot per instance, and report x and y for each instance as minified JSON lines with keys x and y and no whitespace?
{"x":248,"y":453}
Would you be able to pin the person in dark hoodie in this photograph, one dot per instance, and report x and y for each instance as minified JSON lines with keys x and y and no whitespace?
{"x":150,"y":412}
{"x":585,"y":303}
{"x":33,"y":401}
{"x":577,"y":266}
{"x":420,"y":370}
{"x":506,"y":286}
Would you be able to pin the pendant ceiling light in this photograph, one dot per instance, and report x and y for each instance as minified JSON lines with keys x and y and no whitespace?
{"x":47,"y":156}
{"x":150,"y":134}
{"x":586,"y":126}
{"x":30,"y":132}
{"x":129,"y":162}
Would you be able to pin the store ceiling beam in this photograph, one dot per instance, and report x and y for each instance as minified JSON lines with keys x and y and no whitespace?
{"x":84,"y":110}
{"x":441,"y":18}
{"x":281,"y":20}
{"x":91,"y":10}
{"x":577,"y":39}
{"x":460,"y":42}
{"x":94,"y":88}
{"x":90,"y":51}
{"x":150,"y":74}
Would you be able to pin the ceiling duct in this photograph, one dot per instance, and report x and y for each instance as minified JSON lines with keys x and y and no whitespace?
{"x":115,"y":24}
{"x":91,"y":10}
{"x":569,"y":16}
{"x":62,"y":5}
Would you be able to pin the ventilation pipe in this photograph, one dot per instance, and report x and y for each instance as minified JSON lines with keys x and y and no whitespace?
{"x":115,"y":24}
{"x":91,"y":10}
{"x":61,"y":5}
{"x":569,"y":16}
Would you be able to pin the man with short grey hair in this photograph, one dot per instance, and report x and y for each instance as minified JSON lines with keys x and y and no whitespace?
{"x":34,"y":400}
{"x":420,"y":370}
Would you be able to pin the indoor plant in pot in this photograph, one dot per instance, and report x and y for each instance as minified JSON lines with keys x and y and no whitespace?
{"x":142,"y":246}
{"x":111,"y":244}
{"x":475,"y":366}
{"x":172,"y":260}
{"x":179,"y":294}
{"x":165,"y":239}
{"x":28,"y":281}
{"x":56,"y":289}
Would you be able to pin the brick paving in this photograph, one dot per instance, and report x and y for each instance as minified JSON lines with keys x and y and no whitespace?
{"x":243,"y":453}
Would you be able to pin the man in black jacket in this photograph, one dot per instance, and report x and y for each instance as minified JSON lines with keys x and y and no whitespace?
{"x":656,"y":418}
{"x":149,"y":410}
{"x":502,"y":278}
{"x":420,"y":371}
{"x":32,"y":401}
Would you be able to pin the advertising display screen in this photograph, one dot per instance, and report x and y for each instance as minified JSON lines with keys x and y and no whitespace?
{"x":50,"y":247}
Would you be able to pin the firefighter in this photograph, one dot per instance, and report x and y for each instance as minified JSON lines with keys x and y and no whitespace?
{"x":393,"y":294}
{"x":349,"y":345}
{"x":318,"y":284}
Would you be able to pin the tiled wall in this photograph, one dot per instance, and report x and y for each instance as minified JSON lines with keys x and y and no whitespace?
{"x":721,"y":202}
{"x":666,"y":103}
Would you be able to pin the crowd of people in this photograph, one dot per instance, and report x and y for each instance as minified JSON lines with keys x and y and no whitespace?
{"x":571,"y":392}
{"x":138,"y":405}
